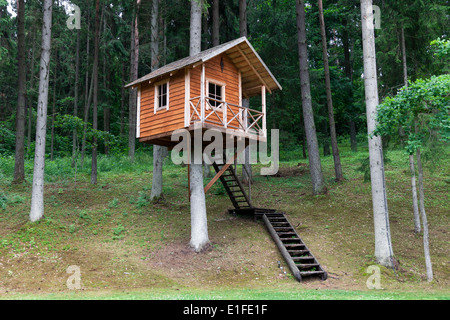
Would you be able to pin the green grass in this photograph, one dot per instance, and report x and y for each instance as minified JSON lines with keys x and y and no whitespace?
{"x":130,"y":248}
{"x":233,"y":294}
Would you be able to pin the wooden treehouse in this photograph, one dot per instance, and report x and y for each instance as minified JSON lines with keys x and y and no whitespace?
{"x":206,"y":91}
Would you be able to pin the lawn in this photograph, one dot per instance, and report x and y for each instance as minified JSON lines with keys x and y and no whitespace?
{"x":129,"y":248}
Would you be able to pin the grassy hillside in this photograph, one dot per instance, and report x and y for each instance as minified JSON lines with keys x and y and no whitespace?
{"x":126,"y":246}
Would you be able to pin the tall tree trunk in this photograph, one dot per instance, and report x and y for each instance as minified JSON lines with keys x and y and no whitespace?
{"x":315,"y":166}
{"x":106,"y":82}
{"x":216,"y":23}
{"x":426,"y":246}
{"x":19,"y":165}
{"x":159,"y":152}
{"x":417,"y":228}
{"x":122,"y":102}
{"x":334,"y":145}
{"x":52,"y":137}
{"x":243,"y":18}
{"x":199,"y":222}
{"x":95,"y":93}
{"x":37,"y":194}
{"x":75,"y":100}
{"x":133,"y":93}
{"x":30,"y":100}
{"x":349,"y":74}
{"x":383,"y":246}
{"x":243,"y":32}
{"x":87,"y":92}
{"x":416,"y":214}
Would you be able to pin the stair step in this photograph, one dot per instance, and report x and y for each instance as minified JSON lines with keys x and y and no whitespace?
{"x":307,"y":265}
{"x":298,"y":251}
{"x":287,"y":233}
{"x":303,"y":258}
{"x":311,"y":273}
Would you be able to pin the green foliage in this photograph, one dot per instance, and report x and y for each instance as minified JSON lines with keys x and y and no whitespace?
{"x":422,"y":110}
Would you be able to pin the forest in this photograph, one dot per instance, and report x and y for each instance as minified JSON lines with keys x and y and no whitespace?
{"x":89,"y":125}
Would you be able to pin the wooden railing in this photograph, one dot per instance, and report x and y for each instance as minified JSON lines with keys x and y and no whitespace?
{"x":227,"y":115}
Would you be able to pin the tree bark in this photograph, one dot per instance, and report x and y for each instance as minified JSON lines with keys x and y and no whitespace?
{"x":52,"y":137}
{"x":37,"y":194}
{"x":95,"y":93}
{"x":243,"y":18}
{"x":334,"y":145}
{"x":416,"y":214}
{"x":383,"y":247}
{"x":216,"y":23}
{"x":159,"y":152}
{"x":417,"y":227}
{"x":75,"y":100}
{"x":243,"y":32}
{"x":133,"y":93}
{"x":426,"y":246}
{"x":199,"y":222}
{"x":19,"y":165}
{"x":315,"y":165}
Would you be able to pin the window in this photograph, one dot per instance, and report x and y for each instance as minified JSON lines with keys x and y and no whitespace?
{"x":162,"y":95}
{"x":216,"y":91}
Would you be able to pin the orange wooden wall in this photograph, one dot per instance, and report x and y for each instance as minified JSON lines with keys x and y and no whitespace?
{"x":166,"y":121}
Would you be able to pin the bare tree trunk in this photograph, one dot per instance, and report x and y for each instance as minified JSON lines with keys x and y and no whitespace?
{"x":87,"y":95}
{"x":159,"y":152}
{"x":417,"y":228}
{"x":246,"y":167}
{"x":19,"y":165}
{"x":133,"y":92}
{"x":195,"y":27}
{"x":52,"y":138}
{"x":199,"y":222}
{"x":216,"y":23}
{"x":37,"y":194}
{"x":95,"y":93}
{"x":75,"y":100}
{"x":30,"y":101}
{"x":416,"y":215}
{"x":383,"y":247}
{"x":243,"y":18}
{"x":334,"y":145}
{"x":122,"y":102}
{"x":426,"y":247}
{"x":310,"y":129}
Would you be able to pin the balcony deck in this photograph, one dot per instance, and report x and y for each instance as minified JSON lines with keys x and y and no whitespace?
{"x":236,"y":124}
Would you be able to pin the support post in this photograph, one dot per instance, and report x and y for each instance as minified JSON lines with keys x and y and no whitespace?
{"x":202,"y":94}
{"x":263,"y":107}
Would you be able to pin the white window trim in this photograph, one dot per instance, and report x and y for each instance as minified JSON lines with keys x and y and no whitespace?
{"x":219,"y":83}
{"x":138,"y":113}
{"x":156,"y":104}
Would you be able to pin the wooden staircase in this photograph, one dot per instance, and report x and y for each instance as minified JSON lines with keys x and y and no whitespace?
{"x":233,"y":187}
{"x":299,"y":258}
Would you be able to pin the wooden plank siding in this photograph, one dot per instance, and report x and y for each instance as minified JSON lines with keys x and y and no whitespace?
{"x":164,"y":121}
{"x":230,"y":77}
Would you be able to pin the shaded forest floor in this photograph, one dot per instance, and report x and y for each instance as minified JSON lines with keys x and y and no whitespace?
{"x":123,"y":243}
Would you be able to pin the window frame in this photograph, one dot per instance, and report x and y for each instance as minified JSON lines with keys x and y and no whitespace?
{"x":157,"y":95}
{"x":217,"y":83}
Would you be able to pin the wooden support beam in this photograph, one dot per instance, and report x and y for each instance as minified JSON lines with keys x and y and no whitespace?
{"x":224,"y":168}
{"x":253,"y":69}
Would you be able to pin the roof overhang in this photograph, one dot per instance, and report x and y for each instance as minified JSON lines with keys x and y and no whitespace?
{"x":254,"y":72}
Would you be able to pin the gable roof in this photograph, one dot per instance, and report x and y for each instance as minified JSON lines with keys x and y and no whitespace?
{"x":254,"y":72}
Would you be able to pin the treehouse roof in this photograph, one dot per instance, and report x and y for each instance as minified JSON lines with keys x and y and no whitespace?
{"x":254,"y":72}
